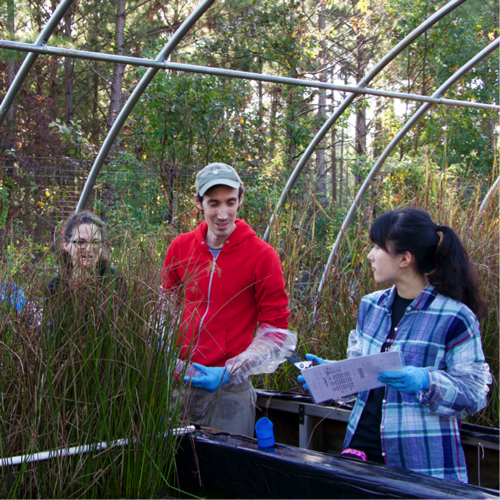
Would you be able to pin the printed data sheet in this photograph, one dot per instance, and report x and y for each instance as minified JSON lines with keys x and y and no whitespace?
{"x":342,"y":378}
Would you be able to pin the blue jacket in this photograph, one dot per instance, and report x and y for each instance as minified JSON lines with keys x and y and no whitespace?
{"x":11,"y":294}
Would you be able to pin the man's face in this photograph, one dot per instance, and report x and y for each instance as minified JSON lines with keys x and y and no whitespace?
{"x":219,"y":206}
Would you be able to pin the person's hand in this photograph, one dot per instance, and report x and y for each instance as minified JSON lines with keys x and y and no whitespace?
{"x":321,"y":361}
{"x":302,"y":380}
{"x":210,"y":378}
{"x":410,"y":381}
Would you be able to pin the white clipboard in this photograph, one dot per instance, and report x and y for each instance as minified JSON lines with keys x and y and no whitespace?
{"x":350,"y":376}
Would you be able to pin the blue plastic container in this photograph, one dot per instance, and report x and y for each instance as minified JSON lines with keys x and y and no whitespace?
{"x":265,"y":433}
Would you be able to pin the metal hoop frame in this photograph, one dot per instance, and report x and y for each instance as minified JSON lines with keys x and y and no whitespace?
{"x":389,"y":57}
{"x":30,"y":59}
{"x":388,"y":150}
{"x":40,"y":47}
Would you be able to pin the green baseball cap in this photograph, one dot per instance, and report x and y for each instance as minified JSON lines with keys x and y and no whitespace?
{"x":215,"y":174}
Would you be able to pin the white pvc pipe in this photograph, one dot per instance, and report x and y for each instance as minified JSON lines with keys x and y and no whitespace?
{"x":76,"y":450}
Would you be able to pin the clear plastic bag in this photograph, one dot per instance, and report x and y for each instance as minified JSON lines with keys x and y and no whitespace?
{"x":266,"y":352}
{"x":353,"y":345}
{"x":459,"y":391}
{"x":182,"y":370}
{"x":475,"y":377}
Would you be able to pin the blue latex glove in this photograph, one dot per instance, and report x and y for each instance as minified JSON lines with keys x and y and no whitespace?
{"x":321,"y":361}
{"x":210,"y":378}
{"x":410,"y":381}
{"x":311,"y":357}
{"x":302,"y":380}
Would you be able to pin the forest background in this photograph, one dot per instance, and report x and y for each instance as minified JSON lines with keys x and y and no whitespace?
{"x":446,"y":164}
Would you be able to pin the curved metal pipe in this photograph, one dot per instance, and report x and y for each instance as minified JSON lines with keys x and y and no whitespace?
{"x":136,"y":94}
{"x":393,"y":53}
{"x":30,"y":59}
{"x":489,"y":196}
{"x":409,"y":124}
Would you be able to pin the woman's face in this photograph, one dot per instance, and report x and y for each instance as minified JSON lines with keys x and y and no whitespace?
{"x":385,"y":267}
{"x":85,"y":246}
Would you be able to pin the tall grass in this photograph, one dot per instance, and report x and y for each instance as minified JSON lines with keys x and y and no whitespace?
{"x":89,"y":369}
{"x":304,"y":254}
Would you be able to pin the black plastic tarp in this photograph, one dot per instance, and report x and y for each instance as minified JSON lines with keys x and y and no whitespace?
{"x":219,"y":465}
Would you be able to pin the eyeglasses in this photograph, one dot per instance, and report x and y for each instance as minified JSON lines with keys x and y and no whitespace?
{"x":85,"y":243}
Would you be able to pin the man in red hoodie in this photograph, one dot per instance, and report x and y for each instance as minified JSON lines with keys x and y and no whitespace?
{"x":224,"y":281}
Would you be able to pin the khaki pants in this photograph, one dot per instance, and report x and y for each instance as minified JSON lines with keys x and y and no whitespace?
{"x":230,"y":409}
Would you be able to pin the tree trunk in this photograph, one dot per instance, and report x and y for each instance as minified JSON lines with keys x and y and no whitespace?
{"x":290,"y":140}
{"x":334,"y":168}
{"x":210,"y":19}
{"x":118,"y":69}
{"x":320,"y":152}
{"x":360,"y":139}
{"x":261,"y":120}
{"x":11,"y":71}
{"x":377,"y":134}
{"x":341,"y":173}
{"x":68,"y":74}
{"x":8,"y":141}
{"x":115,"y":104}
{"x":361,"y":131}
{"x":95,"y":131}
{"x":53,"y":90}
{"x":417,"y":130}
{"x":272,"y":121}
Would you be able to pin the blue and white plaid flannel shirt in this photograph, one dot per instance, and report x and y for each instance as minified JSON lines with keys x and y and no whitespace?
{"x":420,"y":432}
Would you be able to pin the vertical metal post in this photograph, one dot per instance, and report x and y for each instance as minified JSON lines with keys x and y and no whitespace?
{"x":136,"y":94}
{"x":305,"y":428}
{"x":30,"y":59}
{"x":392,"y":54}
{"x":480,"y":456}
{"x":395,"y":141}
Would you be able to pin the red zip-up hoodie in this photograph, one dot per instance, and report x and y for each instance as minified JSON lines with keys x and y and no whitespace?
{"x":224,"y":298}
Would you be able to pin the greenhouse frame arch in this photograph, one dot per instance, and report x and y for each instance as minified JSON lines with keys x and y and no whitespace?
{"x":161,"y":62}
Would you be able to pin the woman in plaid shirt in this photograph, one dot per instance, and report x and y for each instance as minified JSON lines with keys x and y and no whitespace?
{"x":430,"y":316}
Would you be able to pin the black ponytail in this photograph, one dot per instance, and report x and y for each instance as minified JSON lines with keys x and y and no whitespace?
{"x":444,"y":260}
{"x":454,"y":275}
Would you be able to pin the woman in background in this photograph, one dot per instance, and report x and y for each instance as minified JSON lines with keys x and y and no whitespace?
{"x":430,"y":316}
{"x":83,"y":259}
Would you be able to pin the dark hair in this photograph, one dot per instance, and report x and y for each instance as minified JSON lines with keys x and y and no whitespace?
{"x":444,"y":259}
{"x":75,"y":220}
{"x":241,"y":191}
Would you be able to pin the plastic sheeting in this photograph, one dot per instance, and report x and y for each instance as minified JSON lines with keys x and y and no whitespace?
{"x":353,"y":345}
{"x":463,"y":385}
{"x":266,"y":352}
{"x":289,"y":472}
